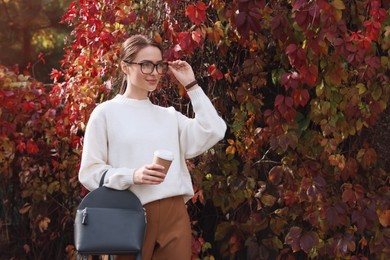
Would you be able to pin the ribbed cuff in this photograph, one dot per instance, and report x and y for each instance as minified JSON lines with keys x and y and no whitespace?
{"x":121,"y":180}
{"x":126,"y":181}
{"x":196,"y":94}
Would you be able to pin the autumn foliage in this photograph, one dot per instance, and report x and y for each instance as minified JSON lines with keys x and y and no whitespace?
{"x":298,"y":82}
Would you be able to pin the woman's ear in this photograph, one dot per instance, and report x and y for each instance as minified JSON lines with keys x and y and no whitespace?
{"x":124,"y":67}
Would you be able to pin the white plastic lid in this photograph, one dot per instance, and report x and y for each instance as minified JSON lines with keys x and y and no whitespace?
{"x":164,"y":154}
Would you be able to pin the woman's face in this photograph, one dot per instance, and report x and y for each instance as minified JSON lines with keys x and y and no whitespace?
{"x":140,"y":84}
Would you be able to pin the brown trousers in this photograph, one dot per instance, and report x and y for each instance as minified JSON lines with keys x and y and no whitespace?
{"x":168,"y":231}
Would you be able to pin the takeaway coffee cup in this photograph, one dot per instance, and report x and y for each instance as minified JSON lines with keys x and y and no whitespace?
{"x":164,"y":158}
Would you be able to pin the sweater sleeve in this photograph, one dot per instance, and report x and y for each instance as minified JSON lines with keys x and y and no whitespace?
{"x":199,"y":134}
{"x":94,"y":157}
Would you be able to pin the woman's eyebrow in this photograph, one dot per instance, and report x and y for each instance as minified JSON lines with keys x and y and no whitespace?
{"x":151,"y":61}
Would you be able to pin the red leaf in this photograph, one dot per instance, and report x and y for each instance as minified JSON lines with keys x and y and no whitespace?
{"x":372,"y":29}
{"x":184,"y":39}
{"x":215,"y":73}
{"x":279,"y":100}
{"x":275,"y":175}
{"x":288,"y":101}
{"x":308,"y":241}
{"x":70,"y":14}
{"x":32,"y":148}
{"x":188,"y":41}
{"x":21,"y":146}
{"x":349,"y":196}
{"x":379,"y":15}
{"x":278,"y":25}
{"x":129,"y":18}
{"x":300,"y":97}
{"x":55,"y":75}
{"x":242,"y":24}
{"x":310,"y":76}
{"x":197,"y":14}
{"x":359,"y":219}
{"x":28,"y":106}
{"x":249,"y":17}
{"x":302,"y":18}
{"x":293,"y":238}
{"x":350,"y":169}
{"x":291,"y":49}
{"x":298,"y":4}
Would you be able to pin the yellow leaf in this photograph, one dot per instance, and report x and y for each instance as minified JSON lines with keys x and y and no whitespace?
{"x":352,"y":130}
{"x":231,"y":150}
{"x":44,"y":224}
{"x":338,"y":4}
{"x":384,"y":217}
{"x":351,"y":245}
{"x":54,"y":186}
{"x":385,"y":61}
{"x":25,"y":208}
{"x":320,"y":89}
{"x":277,"y":242}
{"x":361,"y":88}
{"x":359,"y":125}
{"x":277,"y":225}
{"x":325,"y":108}
{"x":231,"y":141}
{"x":268,"y":200}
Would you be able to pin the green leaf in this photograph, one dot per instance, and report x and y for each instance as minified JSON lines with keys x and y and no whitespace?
{"x":376,"y":93}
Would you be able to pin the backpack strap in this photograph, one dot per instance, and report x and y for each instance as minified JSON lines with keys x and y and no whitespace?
{"x":102,"y":178}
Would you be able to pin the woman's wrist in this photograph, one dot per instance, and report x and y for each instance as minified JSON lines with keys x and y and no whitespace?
{"x":191,"y":84}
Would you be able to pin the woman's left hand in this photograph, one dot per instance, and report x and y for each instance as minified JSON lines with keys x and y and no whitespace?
{"x":182,"y":71}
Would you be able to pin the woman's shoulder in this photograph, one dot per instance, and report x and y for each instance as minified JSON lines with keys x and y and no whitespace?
{"x":104,"y":107}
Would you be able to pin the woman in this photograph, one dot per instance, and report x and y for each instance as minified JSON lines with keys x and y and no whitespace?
{"x":123,"y":133}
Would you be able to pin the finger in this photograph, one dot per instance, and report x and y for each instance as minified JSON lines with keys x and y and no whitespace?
{"x":153,"y":179}
{"x":154,"y":167}
{"x":157,"y":174}
{"x":178,"y":64}
{"x":148,"y":180}
{"x":154,"y":170}
{"x":157,"y":167}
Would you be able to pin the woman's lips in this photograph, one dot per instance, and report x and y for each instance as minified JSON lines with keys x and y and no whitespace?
{"x":152,"y":81}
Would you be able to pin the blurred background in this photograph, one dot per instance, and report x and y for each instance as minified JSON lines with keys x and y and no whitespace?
{"x":31,"y":35}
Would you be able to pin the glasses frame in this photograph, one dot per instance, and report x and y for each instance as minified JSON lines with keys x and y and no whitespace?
{"x":141,"y":64}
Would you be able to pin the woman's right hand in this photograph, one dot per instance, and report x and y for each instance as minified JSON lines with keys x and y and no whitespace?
{"x":149,"y":174}
{"x":182,"y":71}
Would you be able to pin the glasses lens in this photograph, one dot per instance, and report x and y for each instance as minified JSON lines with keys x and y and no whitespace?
{"x":162,"y":67}
{"x":147,"y":67}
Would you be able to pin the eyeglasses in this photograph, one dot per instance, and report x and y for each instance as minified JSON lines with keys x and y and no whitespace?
{"x":147,"y":67}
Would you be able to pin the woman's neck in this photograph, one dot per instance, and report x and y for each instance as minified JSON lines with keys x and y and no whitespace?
{"x":133,"y":94}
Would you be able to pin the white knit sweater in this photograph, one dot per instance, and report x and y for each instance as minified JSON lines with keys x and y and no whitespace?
{"x":123,"y":133}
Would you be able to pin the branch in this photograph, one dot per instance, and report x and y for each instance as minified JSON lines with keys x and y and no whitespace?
{"x":264,"y":160}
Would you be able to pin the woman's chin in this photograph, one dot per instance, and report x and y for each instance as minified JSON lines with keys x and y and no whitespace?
{"x":152,"y":88}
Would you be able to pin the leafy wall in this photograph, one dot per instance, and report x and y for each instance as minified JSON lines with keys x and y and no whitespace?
{"x":296,"y":81}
